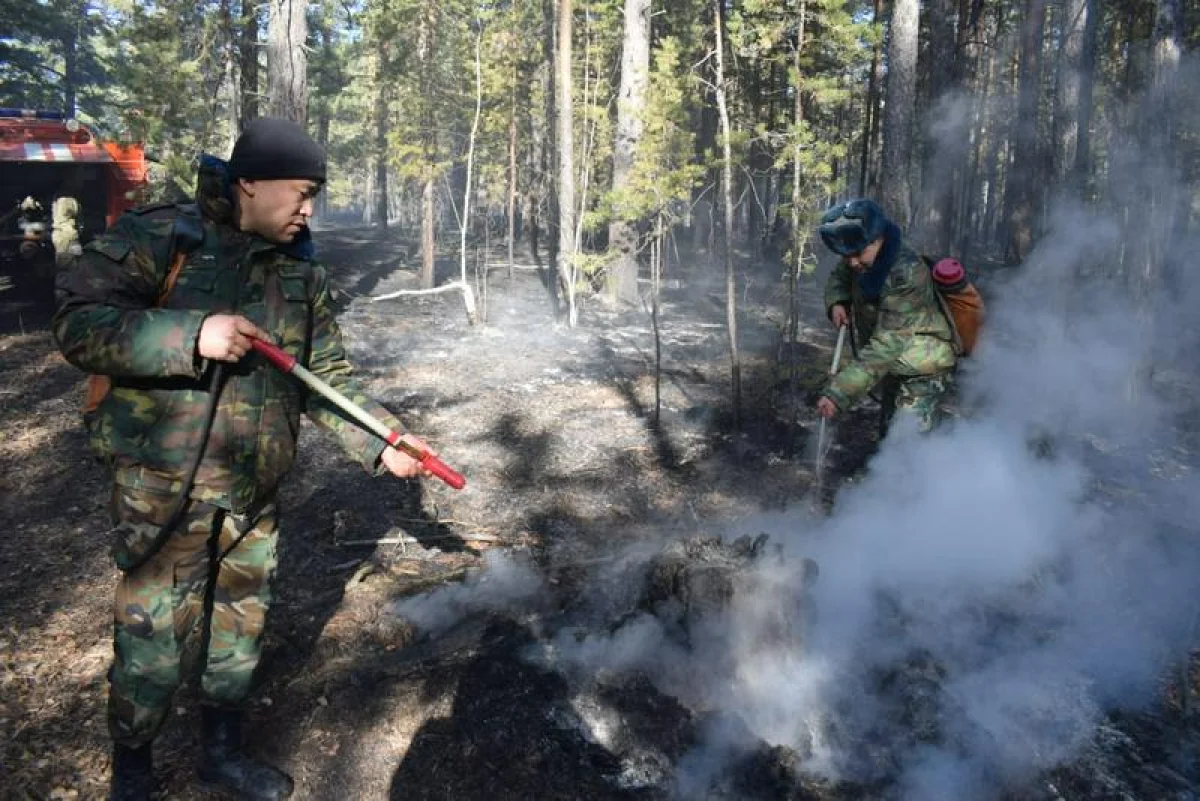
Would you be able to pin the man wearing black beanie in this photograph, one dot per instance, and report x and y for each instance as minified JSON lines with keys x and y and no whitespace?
{"x":199,"y":431}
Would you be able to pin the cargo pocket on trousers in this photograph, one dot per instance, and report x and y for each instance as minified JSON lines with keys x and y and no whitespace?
{"x":138,"y":517}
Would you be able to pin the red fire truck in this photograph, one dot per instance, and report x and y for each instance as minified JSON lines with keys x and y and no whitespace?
{"x":43,"y":157}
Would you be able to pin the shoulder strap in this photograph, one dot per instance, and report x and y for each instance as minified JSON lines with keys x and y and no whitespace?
{"x":187,"y":234}
{"x":178,"y":257}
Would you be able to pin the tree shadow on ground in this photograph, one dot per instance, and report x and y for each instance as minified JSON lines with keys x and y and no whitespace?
{"x":500,"y":740}
{"x":358,"y":267}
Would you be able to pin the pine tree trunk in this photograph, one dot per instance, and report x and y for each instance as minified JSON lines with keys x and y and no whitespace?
{"x":727,"y":206}
{"x":1020,"y":192}
{"x":866,"y":180}
{"x":945,"y":150}
{"x":428,"y":237}
{"x":799,"y":234}
{"x":248,"y":62}
{"x":1157,"y":221}
{"x":427,"y":46}
{"x":566,"y":156}
{"x":901,"y":95}
{"x":230,"y":88}
{"x":287,"y":60}
{"x":537,"y":192}
{"x":466,"y":206}
{"x":381,"y":149}
{"x":1087,"y":82}
{"x":635,"y":68}
{"x":70,"y":45}
{"x":1067,"y":86}
{"x":323,"y":111}
{"x":511,"y":189}
{"x":549,"y":149}
{"x":377,"y":213}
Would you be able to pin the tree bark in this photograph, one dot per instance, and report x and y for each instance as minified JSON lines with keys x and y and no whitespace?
{"x":866,"y":179}
{"x":466,"y":208}
{"x":427,"y":44}
{"x":566,"y":157}
{"x":230,"y":87}
{"x":945,"y":147}
{"x":248,"y":62}
{"x":511,"y":189}
{"x":799,"y":234}
{"x":287,"y":60}
{"x":70,"y":44}
{"x":727,"y":204}
{"x":1020,"y":192}
{"x":1067,"y":88}
{"x":900,"y":99}
{"x":635,"y":69}
{"x":1087,"y":82}
{"x":380,"y":185}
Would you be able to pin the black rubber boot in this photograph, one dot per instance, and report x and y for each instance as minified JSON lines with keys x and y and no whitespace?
{"x":224,"y":766}
{"x":132,"y":774}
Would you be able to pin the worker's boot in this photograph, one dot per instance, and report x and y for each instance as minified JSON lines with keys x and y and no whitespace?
{"x":132,"y":774}
{"x":225,"y":766}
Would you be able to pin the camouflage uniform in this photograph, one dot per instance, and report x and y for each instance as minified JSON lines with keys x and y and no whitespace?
{"x":149,"y":427}
{"x":904,"y":341}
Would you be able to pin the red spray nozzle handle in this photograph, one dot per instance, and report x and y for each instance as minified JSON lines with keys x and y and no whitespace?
{"x":276,"y":355}
{"x":287,"y":363}
{"x":429,"y":462}
{"x":443,"y":471}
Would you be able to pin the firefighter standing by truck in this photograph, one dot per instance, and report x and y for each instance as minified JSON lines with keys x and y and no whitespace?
{"x":199,"y":432}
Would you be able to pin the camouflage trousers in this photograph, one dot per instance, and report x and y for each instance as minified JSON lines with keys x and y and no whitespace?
{"x":928,"y":398}
{"x":175,"y":616}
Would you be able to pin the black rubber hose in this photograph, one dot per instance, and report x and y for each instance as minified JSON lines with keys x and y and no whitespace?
{"x":215,"y":385}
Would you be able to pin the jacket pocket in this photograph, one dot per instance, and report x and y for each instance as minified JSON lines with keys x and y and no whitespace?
{"x":290,"y":314}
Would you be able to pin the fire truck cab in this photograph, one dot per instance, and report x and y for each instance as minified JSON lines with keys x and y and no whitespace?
{"x":53,"y":165}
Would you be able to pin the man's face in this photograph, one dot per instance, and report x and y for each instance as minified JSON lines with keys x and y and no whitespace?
{"x":861,"y":262}
{"x":276,"y":210}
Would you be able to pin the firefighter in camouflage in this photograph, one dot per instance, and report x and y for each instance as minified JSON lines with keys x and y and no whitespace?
{"x":883,"y":290}
{"x":187,"y":398}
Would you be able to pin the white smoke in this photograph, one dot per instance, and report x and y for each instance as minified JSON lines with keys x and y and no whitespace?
{"x":505,"y":583}
{"x":1040,"y":589}
{"x":987,"y":593}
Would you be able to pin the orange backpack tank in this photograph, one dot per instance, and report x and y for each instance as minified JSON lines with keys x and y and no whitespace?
{"x":960,"y":301}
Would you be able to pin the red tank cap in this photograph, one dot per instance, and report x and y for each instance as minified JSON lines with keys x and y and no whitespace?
{"x":948,"y":271}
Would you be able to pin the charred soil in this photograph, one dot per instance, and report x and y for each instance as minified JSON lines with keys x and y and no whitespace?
{"x":566,"y":460}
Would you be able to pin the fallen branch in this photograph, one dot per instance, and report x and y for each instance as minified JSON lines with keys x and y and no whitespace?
{"x":409,"y":540}
{"x":453,"y":286}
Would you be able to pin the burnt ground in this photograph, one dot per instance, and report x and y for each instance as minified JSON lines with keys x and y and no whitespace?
{"x":553,"y":428}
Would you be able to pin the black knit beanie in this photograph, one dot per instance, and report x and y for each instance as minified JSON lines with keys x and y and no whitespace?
{"x":271,"y":148}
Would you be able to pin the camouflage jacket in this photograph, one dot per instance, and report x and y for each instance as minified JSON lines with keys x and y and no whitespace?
{"x":903,"y":333}
{"x":150,"y":423}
